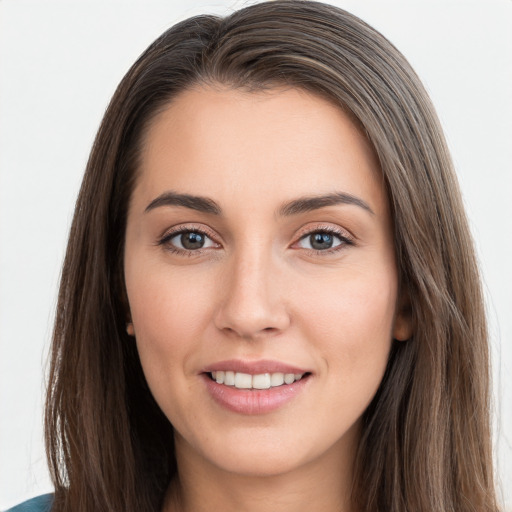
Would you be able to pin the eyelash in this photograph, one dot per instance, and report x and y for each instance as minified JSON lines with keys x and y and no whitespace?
{"x":164,"y":241}
{"x":342,"y":236}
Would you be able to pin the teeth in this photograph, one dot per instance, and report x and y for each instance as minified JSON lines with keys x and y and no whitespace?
{"x":243,"y":381}
{"x":259,"y":381}
{"x":289,"y":378}
{"x":229,"y":378}
{"x":277,"y":379}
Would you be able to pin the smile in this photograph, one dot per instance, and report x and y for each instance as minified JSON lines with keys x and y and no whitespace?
{"x":255,"y":387}
{"x":259,"y":381}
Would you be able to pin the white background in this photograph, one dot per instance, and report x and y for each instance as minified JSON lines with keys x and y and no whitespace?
{"x":59,"y":65}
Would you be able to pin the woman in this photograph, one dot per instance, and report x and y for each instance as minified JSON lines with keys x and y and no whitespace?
{"x":270,"y":298}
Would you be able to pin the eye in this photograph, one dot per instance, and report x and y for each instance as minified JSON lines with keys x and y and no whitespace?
{"x":187,"y":240}
{"x":324,"y":240}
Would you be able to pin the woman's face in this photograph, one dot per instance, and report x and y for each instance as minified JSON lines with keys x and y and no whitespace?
{"x":259,"y":252}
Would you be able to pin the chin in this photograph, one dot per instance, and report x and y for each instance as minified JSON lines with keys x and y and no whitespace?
{"x":267,"y":452}
{"x":265,"y":463}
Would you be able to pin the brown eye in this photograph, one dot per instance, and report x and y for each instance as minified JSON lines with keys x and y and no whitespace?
{"x":192,"y":240}
{"x":188,"y":240}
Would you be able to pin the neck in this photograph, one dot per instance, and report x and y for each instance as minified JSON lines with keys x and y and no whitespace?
{"x":322,"y":484}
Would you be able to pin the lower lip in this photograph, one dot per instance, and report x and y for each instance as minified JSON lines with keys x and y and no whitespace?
{"x":254,"y":401}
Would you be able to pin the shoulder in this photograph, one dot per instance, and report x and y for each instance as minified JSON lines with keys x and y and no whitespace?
{"x":41,"y":503}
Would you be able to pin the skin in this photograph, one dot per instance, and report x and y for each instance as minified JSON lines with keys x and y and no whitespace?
{"x":258,"y":291}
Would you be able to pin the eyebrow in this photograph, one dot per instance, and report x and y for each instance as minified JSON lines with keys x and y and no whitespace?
{"x":290,"y":208}
{"x":170,"y":198}
{"x":308,"y":204}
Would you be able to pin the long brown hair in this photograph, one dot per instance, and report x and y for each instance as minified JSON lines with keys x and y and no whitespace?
{"x":426,"y":438}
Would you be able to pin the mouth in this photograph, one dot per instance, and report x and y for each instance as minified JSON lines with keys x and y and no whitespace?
{"x":258,"y":381}
{"x":255,"y":387}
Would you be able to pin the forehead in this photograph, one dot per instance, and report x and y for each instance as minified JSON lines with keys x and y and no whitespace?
{"x":261,"y":147}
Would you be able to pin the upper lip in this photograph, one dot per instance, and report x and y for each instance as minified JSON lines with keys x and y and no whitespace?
{"x":253,"y":367}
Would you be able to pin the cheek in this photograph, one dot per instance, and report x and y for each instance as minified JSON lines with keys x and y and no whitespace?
{"x":351,"y":325}
{"x":169,"y":311}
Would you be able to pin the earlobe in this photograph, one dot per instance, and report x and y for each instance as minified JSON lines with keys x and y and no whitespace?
{"x":129,"y":329}
{"x":403,"y":325}
{"x":402,"y":329}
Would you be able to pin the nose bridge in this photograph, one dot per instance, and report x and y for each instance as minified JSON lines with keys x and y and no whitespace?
{"x":253,"y":300}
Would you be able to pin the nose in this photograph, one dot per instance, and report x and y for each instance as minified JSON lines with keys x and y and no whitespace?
{"x":253,"y":299}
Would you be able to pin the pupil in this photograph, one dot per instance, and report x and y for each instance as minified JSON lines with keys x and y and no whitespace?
{"x":321,"y":241}
{"x":192,"y":240}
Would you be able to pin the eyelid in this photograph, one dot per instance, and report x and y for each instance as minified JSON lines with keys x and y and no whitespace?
{"x":344,"y":235}
{"x":337,"y":230}
{"x":346,"y":238}
{"x":184,"y":228}
{"x":200,"y":228}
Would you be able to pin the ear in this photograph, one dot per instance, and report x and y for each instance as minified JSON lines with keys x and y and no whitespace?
{"x":130,"y":329}
{"x":123,"y":298}
{"x":402,"y":326}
